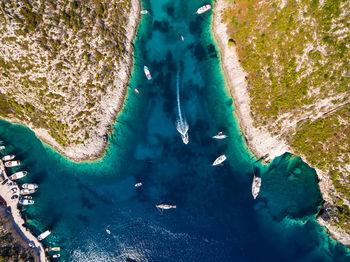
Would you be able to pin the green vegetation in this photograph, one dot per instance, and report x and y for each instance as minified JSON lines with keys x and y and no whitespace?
{"x":56,"y":52}
{"x":297,"y":59}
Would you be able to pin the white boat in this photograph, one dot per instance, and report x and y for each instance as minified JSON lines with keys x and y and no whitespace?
{"x":18,"y":175}
{"x":108,"y":231}
{"x":30,"y":186}
{"x":138,"y":184}
{"x":56,"y":256}
{"x":220,"y":135}
{"x":143,"y":12}
{"x":165,"y":206}
{"x":147,"y":73}
{"x":203,"y":9}
{"x":2,"y":147}
{"x":26,"y":202}
{"x":8,"y":157}
{"x":44,"y":235}
{"x":54,"y":248}
{"x":182,"y":38}
{"x":219,"y":160}
{"x":256,"y":186}
{"x":27,"y":197}
{"x":12,"y":163}
{"x":27,"y":191}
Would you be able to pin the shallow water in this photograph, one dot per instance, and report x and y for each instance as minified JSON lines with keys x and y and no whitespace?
{"x":216,"y":218}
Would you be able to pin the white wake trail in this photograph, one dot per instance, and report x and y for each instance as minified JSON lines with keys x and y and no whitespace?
{"x":181,"y":125}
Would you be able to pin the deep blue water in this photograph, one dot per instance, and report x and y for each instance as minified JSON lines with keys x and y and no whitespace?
{"x":216,"y":218}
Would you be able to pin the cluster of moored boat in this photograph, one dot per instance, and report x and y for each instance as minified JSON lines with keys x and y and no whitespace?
{"x":27,"y":189}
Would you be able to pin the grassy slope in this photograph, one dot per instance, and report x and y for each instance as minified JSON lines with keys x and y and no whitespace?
{"x":297,"y":57}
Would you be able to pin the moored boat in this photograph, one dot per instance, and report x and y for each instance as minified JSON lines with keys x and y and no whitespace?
{"x":147,"y":73}
{"x":143,"y":12}
{"x":203,"y":9}
{"x":12,"y":163}
{"x":26,"y":202}
{"x":27,"y":197}
{"x":30,"y":186}
{"x":27,"y":191}
{"x":18,"y":175}
{"x":165,"y":206}
{"x":256,"y":186}
{"x":55,"y":249}
{"x":219,"y":160}
{"x":56,"y":256}
{"x":220,"y":135}
{"x":44,"y":235}
{"x":8,"y":157}
{"x":138,"y":184}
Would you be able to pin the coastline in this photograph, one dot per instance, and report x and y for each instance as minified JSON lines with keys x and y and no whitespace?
{"x":16,"y":218}
{"x":112,"y":104}
{"x":259,"y":141}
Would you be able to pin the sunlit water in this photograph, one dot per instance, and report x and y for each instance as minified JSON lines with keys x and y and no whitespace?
{"x":216,"y":218}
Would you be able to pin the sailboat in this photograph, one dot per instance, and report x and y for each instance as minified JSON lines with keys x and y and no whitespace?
{"x":220,"y":135}
{"x":165,"y":206}
{"x":219,"y":160}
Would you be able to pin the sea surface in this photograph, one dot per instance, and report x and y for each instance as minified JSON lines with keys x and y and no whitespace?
{"x":216,"y":218}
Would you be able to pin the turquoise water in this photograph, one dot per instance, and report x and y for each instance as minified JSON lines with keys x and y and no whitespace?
{"x":216,"y":218}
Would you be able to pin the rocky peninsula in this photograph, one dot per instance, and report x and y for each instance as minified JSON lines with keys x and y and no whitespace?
{"x":291,"y":100}
{"x":65,"y":69}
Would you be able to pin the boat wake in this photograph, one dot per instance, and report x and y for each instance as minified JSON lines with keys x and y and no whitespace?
{"x":181,"y":124}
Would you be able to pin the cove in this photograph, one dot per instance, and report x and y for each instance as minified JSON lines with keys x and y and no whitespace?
{"x":216,"y":218}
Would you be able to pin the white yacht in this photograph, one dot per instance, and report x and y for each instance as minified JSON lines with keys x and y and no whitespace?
{"x":30,"y":186}
{"x":44,"y":235}
{"x":12,"y":163}
{"x":18,"y":175}
{"x":8,"y":157}
{"x":219,"y":160}
{"x":138,"y":184}
{"x":256,"y":186}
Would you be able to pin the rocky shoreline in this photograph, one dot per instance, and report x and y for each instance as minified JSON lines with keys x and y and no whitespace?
{"x":111,"y":104}
{"x":261,"y":143}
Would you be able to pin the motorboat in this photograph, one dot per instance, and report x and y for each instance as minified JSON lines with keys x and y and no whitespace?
{"x":220,"y":135}
{"x":219,"y":160}
{"x":147,"y":73}
{"x":12,"y":163}
{"x":138,"y":184}
{"x":27,"y":191}
{"x":143,"y":12}
{"x":18,"y":175}
{"x":203,"y":9}
{"x":56,"y":256}
{"x":44,"y":235}
{"x":8,"y":157}
{"x":165,"y":206}
{"x":136,"y":91}
{"x":54,"y":248}
{"x":2,"y":147}
{"x":26,"y":202}
{"x":182,"y":38}
{"x":256,"y":186}
{"x":27,"y":197}
{"x":108,"y":231}
{"x":30,"y":186}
